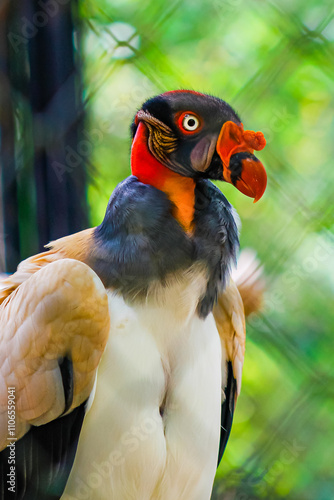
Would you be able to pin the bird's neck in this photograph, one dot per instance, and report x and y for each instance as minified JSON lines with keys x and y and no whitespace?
{"x":179,"y":189}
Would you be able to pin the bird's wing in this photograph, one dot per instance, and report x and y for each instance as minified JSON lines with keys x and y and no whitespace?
{"x":75,"y":246}
{"x":230,"y":320}
{"x":54,"y":325}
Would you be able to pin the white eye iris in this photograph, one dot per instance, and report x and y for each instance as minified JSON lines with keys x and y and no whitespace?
{"x":190,"y":122}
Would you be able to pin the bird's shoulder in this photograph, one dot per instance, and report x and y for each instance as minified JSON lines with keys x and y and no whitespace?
{"x":76,"y":246}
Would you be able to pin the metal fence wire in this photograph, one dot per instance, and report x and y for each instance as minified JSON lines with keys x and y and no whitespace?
{"x":72,"y":75}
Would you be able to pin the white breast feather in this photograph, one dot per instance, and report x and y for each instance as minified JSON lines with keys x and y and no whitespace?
{"x":159,"y":354}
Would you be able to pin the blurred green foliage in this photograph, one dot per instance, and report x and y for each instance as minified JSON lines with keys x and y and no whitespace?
{"x":274,"y":62}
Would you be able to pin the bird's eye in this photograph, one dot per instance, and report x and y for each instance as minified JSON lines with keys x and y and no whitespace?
{"x":190,"y":122}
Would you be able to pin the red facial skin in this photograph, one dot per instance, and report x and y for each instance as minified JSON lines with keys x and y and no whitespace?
{"x":179,"y":189}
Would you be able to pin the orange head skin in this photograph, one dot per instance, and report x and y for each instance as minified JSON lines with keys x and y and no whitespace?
{"x":182,"y":136}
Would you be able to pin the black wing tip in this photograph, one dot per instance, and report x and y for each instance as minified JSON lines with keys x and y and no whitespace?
{"x":43,"y":459}
{"x":227,"y":410}
{"x":66,"y":370}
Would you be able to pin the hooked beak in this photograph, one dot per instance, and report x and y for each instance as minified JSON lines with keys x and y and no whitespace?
{"x":241,"y":168}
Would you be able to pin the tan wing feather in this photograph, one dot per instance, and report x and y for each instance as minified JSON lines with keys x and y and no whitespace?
{"x":230,"y":320}
{"x":76,"y":246}
{"x":60,"y":310}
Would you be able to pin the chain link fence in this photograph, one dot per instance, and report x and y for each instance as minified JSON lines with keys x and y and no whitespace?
{"x":274,"y":62}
